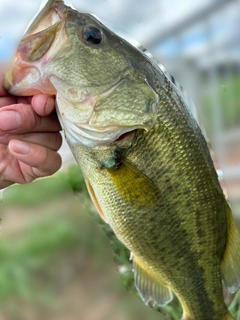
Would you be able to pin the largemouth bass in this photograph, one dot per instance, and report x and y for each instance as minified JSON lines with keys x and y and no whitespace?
{"x":145,"y":161}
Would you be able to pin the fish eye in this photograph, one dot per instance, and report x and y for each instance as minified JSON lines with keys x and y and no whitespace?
{"x":92,"y":35}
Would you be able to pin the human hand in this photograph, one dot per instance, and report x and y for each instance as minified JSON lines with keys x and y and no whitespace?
{"x":29,"y":137}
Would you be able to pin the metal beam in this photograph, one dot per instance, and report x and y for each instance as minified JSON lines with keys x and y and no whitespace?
{"x":198,"y":16}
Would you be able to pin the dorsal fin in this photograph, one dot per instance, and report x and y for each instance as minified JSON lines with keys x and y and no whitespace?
{"x":230,"y":265}
{"x":151,"y":290}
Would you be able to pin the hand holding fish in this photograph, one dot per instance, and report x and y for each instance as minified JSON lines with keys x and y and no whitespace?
{"x":29,"y":138}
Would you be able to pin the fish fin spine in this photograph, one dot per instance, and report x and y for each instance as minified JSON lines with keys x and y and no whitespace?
{"x":151,"y":289}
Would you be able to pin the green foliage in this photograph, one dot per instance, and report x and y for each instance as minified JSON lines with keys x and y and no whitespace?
{"x":42,"y":241}
{"x":73,"y":176}
{"x":35,"y":192}
{"x":46,"y":189}
{"x":228,"y":103}
{"x":36,"y":250}
{"x":235,"y":306}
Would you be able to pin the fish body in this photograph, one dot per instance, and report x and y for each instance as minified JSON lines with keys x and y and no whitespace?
{"x":144,"y":159}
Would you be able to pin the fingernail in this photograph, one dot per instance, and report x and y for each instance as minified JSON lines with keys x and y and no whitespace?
{"x":10,"y":120}
{"x":20,"y":146}
{"x":48,"y":107}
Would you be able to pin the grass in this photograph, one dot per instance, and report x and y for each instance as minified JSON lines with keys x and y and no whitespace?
{"x":35,"y":250}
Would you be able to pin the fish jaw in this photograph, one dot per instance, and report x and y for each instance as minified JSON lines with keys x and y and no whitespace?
{"x":39,"y":47}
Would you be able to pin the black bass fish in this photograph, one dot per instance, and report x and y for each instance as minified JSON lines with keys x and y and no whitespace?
{"x":145,"y":161}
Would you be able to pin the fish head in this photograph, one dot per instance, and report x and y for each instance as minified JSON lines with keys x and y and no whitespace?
{"x":101,"y":92}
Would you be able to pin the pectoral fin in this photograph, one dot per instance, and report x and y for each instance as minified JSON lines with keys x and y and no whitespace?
{"x":230,"y":265}
{"x":150,"y":289}
{"x":95,"y":200}
{"x":133,"y":185}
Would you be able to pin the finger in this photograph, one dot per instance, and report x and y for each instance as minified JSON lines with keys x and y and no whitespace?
{"x":43,"y":104}
{"x":6,"y":98}
{"x":6,"y":101}
{"x":21,"y":118}
{"x":24,"y":100}
{"x":9,"y":100}
{"x":3,"y":91}
{"x":51,"y":140}
{"x":36,"y":161}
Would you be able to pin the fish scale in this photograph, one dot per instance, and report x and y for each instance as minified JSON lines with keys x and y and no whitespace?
{"x":144,"y":159}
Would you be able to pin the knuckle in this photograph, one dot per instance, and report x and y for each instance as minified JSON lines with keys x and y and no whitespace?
{"x":55,"y":141}
{"x":50,"y":161}
{"x":30,"y":120}
{"x":58,"y":142}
